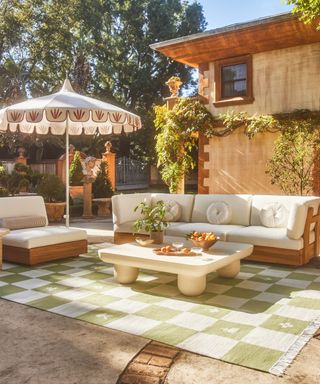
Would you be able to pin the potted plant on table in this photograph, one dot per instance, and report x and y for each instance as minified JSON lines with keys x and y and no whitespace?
{"x":153,"y":220}
{"x":52,"y":189}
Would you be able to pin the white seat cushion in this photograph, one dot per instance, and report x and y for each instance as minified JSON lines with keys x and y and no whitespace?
{"x":182,"y":229}
{"x":40,"y":237}
{"x":266,"y":237}
{"x":127,"y":227}
{"x":123,"y":206}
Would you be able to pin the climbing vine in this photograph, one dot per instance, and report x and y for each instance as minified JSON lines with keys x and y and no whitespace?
{"x":178,"y":131}
{"x":177,"y":137}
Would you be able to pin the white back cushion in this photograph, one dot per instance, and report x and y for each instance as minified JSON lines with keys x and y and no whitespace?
{"x":240,"y":206}
{"x":123,"y":206}
{"x":22,"y":206}
{"x":185,"y":202}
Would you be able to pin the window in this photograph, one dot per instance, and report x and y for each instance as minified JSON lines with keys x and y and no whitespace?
{"x":233,"y":78}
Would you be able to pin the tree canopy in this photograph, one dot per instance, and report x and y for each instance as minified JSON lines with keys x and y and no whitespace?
{"x":309,"y":9}
{"x":102,"y":45}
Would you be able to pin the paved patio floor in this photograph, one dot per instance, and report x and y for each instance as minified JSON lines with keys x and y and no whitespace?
{"x":38,"y":347}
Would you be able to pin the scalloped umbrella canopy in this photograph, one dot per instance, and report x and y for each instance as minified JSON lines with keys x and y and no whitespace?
{"x":67,"y":112}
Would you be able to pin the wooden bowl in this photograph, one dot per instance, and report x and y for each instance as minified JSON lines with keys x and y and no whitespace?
{"x":204,"y":244}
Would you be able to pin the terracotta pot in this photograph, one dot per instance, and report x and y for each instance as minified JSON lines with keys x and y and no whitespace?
{"x":55,"y":211}
{"x":157,"y":237}
{"x":76,"y":191}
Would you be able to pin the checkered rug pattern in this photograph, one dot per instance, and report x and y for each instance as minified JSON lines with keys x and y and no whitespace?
{"x":261,"y":319}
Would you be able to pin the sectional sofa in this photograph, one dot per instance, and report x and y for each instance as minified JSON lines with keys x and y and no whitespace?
{"x":283,"y":229}
{"x":30,"y":240}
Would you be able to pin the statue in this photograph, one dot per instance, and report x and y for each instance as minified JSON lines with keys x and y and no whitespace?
{"x":72,"y":149}
{"x":89,"y":164}
{"x":174,"y":84}
{"x":21,"y":153}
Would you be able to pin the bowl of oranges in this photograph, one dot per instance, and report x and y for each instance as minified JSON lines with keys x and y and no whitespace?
{"x":204,"y":240}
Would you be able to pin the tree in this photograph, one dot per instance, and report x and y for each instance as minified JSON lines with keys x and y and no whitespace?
{"x":103,"y":45}
{"x":310,"y":9}
{"x":295,"y":154}
{"x":76,"y":174}
{"x":102,"y":186}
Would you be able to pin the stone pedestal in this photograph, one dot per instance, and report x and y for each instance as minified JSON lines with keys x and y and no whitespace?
{"x":87,"y":199}
{"x":104,"y":206}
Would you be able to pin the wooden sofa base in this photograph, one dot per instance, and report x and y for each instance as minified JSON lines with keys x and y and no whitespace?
{"x":44,"y":254}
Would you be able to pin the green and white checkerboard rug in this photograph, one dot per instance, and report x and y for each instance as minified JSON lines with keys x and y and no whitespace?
{"x":260,"y":319}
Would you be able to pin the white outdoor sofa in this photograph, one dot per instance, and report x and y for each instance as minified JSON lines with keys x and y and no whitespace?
{"x":30,"y":240}
{"x":293,"y":241}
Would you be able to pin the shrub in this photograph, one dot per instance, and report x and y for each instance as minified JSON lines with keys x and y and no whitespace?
{"x":4,"y":192}
{"x":102,"y":186}
{"x":76,"y":174}
{"x":52,"y":189}
{"x":18,"y":167}
{"x":3,"y":175}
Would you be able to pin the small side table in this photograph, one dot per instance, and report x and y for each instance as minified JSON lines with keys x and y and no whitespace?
{"x":3,"y":232}
{"x":104,"y":206}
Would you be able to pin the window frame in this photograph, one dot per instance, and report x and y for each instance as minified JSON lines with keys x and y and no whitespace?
{"x":238,"y":100}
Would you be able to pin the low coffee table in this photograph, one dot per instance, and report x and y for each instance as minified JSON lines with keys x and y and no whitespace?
{"x":224,"y":257}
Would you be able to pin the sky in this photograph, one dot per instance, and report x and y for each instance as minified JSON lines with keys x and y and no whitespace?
{"x":220,"y":13}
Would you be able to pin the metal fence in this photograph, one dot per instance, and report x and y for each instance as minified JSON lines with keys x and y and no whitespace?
{"x":45,"y":167}
{"x":131,"y":174}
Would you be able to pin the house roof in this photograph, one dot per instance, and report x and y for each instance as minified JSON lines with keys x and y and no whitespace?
{"x":264,"y":34}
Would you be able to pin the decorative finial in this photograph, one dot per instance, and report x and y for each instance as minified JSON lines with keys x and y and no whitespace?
{"x":174,"y":84}
{"x":108,"y":146}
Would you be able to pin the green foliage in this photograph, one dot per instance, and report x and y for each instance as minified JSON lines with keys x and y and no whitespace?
{"x":3,"y":175}
{"x":19,"y":167}
{"x":292,"y":164}
{"x":76,"y":173}
{"x":102,"y":186}
{"x":153,"y":217}
{"x":310,"y":9}
{"x":178,"y":136}
{"x":103,"y":45}
{"x":4,"y":192}
{"x":52,"y":189}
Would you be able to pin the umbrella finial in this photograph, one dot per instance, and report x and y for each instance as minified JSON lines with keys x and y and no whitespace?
{"x":67,"y":87}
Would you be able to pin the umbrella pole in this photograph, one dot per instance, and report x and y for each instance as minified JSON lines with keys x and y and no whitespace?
{"x":67,"y":217}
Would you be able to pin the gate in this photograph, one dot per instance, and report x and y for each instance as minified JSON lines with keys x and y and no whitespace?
{"x":131,"y":174}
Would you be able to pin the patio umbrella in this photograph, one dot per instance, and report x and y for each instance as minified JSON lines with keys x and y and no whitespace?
{"x":67,"y":113}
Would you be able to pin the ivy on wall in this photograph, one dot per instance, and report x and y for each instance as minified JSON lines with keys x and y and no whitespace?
{"x":178,"y":130}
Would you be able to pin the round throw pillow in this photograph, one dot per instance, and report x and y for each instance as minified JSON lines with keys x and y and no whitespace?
{"x":173,"y":211}
{"x":274,"y":215}
{"x":219,"y":213}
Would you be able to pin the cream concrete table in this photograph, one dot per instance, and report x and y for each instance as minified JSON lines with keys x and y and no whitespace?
{"x":224,"y":257}
{"x":3,"y":232}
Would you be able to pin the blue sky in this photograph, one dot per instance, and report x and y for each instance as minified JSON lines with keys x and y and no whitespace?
{"x":220,"y":13}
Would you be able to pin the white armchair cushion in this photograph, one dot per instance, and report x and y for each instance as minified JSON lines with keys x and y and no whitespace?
{"x":219,"y":213}
{"x":173,"y":211}
{"x":23,"y":206}
{"x":20,"y":222}
{"x":274,"y":215}
{"x":43,"y":236}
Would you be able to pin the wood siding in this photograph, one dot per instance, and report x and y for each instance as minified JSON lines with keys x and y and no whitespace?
{"x":283,"y":80}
